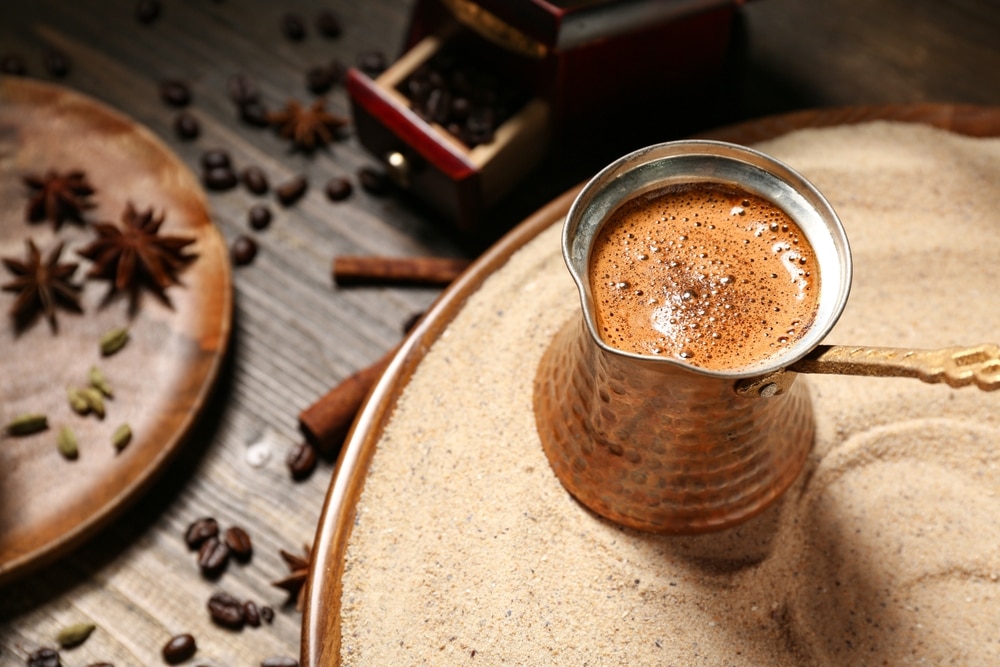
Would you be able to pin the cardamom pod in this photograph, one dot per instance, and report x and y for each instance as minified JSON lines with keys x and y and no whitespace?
{"x":121,"y":437}
{"x":95,"y":400}
{"x":74,"y":635}
{"x":27,"y":424}
{"x":77,"y":401}
{"x":113,"y":341}
{"x":66,"y":442}
{"x":99,"y":382}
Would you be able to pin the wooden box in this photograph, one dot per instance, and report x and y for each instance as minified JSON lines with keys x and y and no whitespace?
{"x":568,"y":61}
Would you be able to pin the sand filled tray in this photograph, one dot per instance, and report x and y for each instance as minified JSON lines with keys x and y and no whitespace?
{"x":447,"y":539}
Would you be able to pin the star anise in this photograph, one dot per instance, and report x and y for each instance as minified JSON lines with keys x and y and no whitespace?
{"x":41,"y":284}
{"x":58,"y":197}
{"x":135,"y":252}
{"x":307,"y":127}
{"x":295,"y":582}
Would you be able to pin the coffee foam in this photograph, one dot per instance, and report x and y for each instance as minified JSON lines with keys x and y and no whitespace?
{"x":704,"y":273}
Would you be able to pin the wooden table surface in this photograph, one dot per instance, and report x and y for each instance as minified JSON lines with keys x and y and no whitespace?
{"x":295,"y":334}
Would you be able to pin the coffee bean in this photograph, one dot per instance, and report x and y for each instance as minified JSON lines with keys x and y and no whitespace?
{"x":13,"y":64}
{"x":279,"y":661}
{"x":100,"y":664}
{"x":319,"y":79}
{"x":219,"y":178}
{"x":225,"y":610}
{"x":175,"y":93}
{"x":186,"y":126}
{"x":213,"y":556}
{"x":44,"y":657}
{"x":291,"y":191}
{"x":56,"y":63}
{"x":255,"y":180}
{"x":254,"y":113}
{"x":371,"y":63}
{"x":215,"y":157}
{"x":338,"y":189}
{"x":411,"y":322}
{"x":147,"y":11}
{"x":179,"y":648}
{"x":267,"y":614}
{"x":239,"y":543}
{"x":293,"y":27}
{"x":259,"y":217}
{"x":242,"y":89}
{"x":328,"y":24}
{"x":301,"y":460}
{"x":200,"y":530}
{"x":251,"y":614}
{"x":243,"y":250}
{"x":373,"y":181}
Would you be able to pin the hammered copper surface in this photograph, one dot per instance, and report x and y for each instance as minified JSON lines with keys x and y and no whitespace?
{"x":657,"y":447}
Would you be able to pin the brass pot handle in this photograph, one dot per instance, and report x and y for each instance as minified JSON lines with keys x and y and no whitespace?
{"x":955,"y":366}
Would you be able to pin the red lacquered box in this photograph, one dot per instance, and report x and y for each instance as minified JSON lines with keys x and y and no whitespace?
{"x":552,"y":64}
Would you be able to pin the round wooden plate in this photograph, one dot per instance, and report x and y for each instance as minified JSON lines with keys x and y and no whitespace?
{"x":161,"y":378}
{"x":321,"y":632}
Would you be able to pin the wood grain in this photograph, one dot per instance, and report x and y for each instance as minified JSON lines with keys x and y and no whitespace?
{"x":294,"y":334}
{"x":321,"y":631}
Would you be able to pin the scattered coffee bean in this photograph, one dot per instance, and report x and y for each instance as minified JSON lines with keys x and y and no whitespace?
{"x":243,"y":250}
{"x":259,"y":217}
{"x":279,"y":661}
{"x":175,"y":93}
{"x":179,"y":648}
{"x":242,"y":89}
{"x":319,"y":79}
{"x":373,"y":181}
{"x":100,"y":664}
{"x":225,"y":610}
{"x":215,"y":157}
{"x":213,"y":556}
{"x":186,"y":126}
{"x":371,"y":63}
{"x":267,"y":614}
{"x":301,"y":460}
{"x":238,"y":541}
{"x":291,"y":191}
{"x":13,"y":64}
{"x":219,"y":178}
{"x":255,"y":180}
{"x":411,"y":322}
{"x":254,"y":113}
{"x":338,"y":188}
{"x":251,"y":614}
{"x":44,"y":657}
{"x":147,"y":11}
{"x":293,"y":27}
{"x":328,"y":24}
{"x":56,"y":63}
{"x":200,"y":530}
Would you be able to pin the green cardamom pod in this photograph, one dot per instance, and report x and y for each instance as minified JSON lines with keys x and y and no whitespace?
{"x":27,"y":424}
{"x":66,"y":442}
{"x":121,"y":437}
{"x":113,"y":341}
{"x":74,"y":635}
{"x":77,"y":401}
{"x":99,"y":382}
{"x":95,"y":400}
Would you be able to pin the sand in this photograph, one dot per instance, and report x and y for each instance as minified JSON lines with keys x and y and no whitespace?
{"x":467,"y":550}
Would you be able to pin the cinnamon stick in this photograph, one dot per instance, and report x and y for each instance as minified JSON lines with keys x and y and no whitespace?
{"x":326,"y":422}
{"x":379,"y":270}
